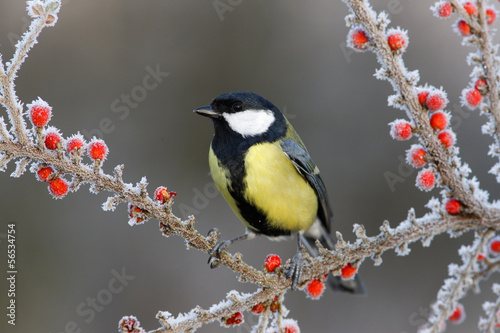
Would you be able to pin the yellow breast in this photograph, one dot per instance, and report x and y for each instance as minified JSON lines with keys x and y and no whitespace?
{"x":275,"y":186}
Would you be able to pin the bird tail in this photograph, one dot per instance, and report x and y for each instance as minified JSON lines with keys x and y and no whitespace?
{"x":318,"y":232}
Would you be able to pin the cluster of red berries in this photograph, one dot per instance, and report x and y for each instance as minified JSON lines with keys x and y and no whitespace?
{"x":273,"y":306}
{"x":138,"y":215}
{"x":473,"y":96}
{"x":435,"y":101}
{"x":235,"y":320}
{"x":444,"y":9}
{"x":40,"y":114}
{"x":358,"y":39}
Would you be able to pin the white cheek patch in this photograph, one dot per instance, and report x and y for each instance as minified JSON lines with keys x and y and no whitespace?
{"x":250,"y":122}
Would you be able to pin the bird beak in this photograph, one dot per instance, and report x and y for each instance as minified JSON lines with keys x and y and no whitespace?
{"x":207,"y":111}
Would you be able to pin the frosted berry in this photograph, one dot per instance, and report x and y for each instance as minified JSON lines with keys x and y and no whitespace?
{"x":422,"y":97}
{"x":290,"y":326}
{"x":275,"y":305}
{"x":453,"y":206}
{"x":436,"y":100}
{"x":444,"y":9}
{"x":472,"y":97}
{"x":75,"y":143}
{"x":134,"y":213}
{"x":463,"y":28}
{"x":397,"y":39}
{"x":494,"y":245}
{"x":458,"y":315}
{"x":97,"y":149}
{"x":416,"y":156}
{"x":358,"y":39}
{"x":447,"y":138}
{"x":348,"y":271}
{"x":44,"y":174}
{"x":315,"y":288}
{"x":129,"y":324}
{"x":439,"y":120}
{"x":272,"y":262}
{"x":491,"y":15}
{"x":258,"y":309}
{"x":40,"y":113}
{"x":482,"y":86}
{"x":400,"y":129}
{"x":162,"y":195}
{"x":426,"y":180}
{"x":58,"y":188}
{"x":234,"y":320}
{"x":52,"y":138}
{"x":480,"y":257}
{"x":470,"y":8}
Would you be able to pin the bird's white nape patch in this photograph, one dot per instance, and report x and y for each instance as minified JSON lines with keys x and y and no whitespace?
{"x":250,"y":122}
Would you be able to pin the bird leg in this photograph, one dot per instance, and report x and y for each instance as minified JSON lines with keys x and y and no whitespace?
{"x":294,"y":272}
{"x":215,"y":252}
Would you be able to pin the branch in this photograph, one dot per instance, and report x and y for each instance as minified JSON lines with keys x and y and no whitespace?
{"x":460,"y":281}
{"x":492,"y":310}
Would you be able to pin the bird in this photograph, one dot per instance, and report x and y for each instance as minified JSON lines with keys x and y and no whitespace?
{"x":265,"y":173}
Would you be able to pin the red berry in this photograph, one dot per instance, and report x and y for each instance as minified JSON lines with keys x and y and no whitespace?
{"x":444,"y":9}
{"x":458,"y":315}
{"x":482,"y":86}
{"x":43,"y":174}
{"x":472,"y":97}
{"x":97,"y":149}
{"x":426,"y":180}
{"x":491,"y":15}
{"x":480,"y":257}
{"x":470,"y":8}
{"x":463,"y":28}
{"x":447,"y":138}
{"x":234,"y":320}
{"x":52,"y":138}
{"x":315,"y":288}
{"x":162,"y":195}
{"x":272,"y":262}
{"x":415,"y":156}
{"x":439,"y":120}
{"x":397,"y":40}
{"x":290,"y":326}
{"x":358,"y":39}
{"x":400,"y":129}
{"x":58,"y":188}
{"x":348,"y":271}
{"x":134,"y":212}
{"x":75,"y":142}
{"x":436,"y":100}
{"x":494,"y":245}
{"x":129,"y":324}
{"x":453,"y":206}
{"x":258,"y":309}
{"x":40,"y":113}
{"x":275,"y":305}
{"x":422,"y":97}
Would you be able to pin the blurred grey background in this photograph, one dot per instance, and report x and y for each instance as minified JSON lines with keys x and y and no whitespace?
{"x":291,"y":52}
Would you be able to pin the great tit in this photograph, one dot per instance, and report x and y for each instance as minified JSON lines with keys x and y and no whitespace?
{"x":264,"y":171}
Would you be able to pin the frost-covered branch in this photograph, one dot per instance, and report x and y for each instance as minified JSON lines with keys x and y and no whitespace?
{"x":461,"y":280}
{"x":492,"y":310}
{"x":465,"y":207}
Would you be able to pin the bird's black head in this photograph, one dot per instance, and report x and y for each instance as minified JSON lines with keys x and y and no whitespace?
{"x":245,"y":114}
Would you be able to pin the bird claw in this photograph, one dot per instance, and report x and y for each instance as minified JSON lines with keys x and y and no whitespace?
{"x":215,"y":252}
{"x":294,"y":271}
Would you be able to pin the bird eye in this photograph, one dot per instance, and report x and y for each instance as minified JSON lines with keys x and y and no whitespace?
{"x":237,"y":107}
